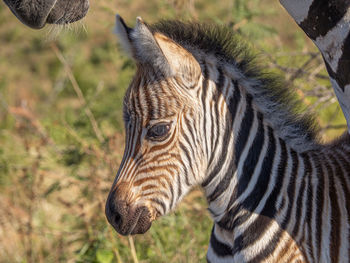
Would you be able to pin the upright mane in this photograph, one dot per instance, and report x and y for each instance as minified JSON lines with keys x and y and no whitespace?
{"x":274,"y":98}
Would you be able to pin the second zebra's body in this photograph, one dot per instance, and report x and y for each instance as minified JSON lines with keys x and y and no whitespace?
{"x":199,"y":112}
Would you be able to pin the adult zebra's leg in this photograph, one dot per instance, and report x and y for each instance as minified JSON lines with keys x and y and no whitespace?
{"x":327,"y":24}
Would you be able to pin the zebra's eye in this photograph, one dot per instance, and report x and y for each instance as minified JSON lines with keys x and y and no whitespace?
{"x":158,"y":131}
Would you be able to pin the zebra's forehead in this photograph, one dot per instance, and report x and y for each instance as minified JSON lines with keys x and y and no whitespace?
{"x":152,"y":97}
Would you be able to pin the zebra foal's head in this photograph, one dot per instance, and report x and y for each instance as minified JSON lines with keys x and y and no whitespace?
{"x":160,"y":106}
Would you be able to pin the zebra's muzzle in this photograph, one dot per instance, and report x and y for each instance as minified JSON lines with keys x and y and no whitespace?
{"x":36,"y":14}
{"x":126,"y":219}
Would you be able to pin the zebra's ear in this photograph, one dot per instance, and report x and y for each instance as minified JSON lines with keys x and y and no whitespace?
{"x":157,"y":50}
{"x":181,"y":62}
{"x":124,"y":34}
{"x":141,"y":45}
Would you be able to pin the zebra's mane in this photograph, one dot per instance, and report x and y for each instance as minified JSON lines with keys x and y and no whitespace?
{"x":274,"y":98}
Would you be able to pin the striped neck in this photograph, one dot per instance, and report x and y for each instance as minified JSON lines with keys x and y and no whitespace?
{"x":266,"y":194}
{"x":246,"y":157}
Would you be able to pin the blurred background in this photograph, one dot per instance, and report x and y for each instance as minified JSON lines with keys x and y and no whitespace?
{"x":62,"y":138}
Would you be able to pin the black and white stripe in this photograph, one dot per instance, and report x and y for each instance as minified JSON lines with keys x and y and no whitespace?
{"x":274,"y":192}
{"x":327,"y":24}
{"x":262,"y":191}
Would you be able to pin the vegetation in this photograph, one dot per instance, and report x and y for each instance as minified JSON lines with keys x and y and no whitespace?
{"x":61,"y":134}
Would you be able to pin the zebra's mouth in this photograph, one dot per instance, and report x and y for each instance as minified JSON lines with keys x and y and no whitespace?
{"x":138,"y":224}
{"x":36,"y":14}
{"x":126,"y":220}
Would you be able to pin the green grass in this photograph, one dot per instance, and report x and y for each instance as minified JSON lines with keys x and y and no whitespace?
{"x":55,"y":172}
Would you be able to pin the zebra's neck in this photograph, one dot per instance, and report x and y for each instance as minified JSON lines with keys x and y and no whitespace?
{"x":268,"y":190}
{"x":247,"y":157}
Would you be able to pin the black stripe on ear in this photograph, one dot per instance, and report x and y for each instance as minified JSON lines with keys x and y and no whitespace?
{"x":128,"y":30}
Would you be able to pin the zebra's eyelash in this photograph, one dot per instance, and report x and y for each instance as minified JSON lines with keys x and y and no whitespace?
{"x":152,"y":131}
{"x":126,"y":116}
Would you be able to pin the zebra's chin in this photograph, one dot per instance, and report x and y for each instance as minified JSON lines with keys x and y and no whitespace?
{"x":140,"y":227}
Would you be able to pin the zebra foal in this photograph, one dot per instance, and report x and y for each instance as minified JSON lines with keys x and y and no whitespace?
{"x":199,"y":112}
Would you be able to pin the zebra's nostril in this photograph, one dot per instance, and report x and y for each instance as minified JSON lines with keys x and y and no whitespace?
{"x":118,"y":219}
{"x":117,"y":212}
